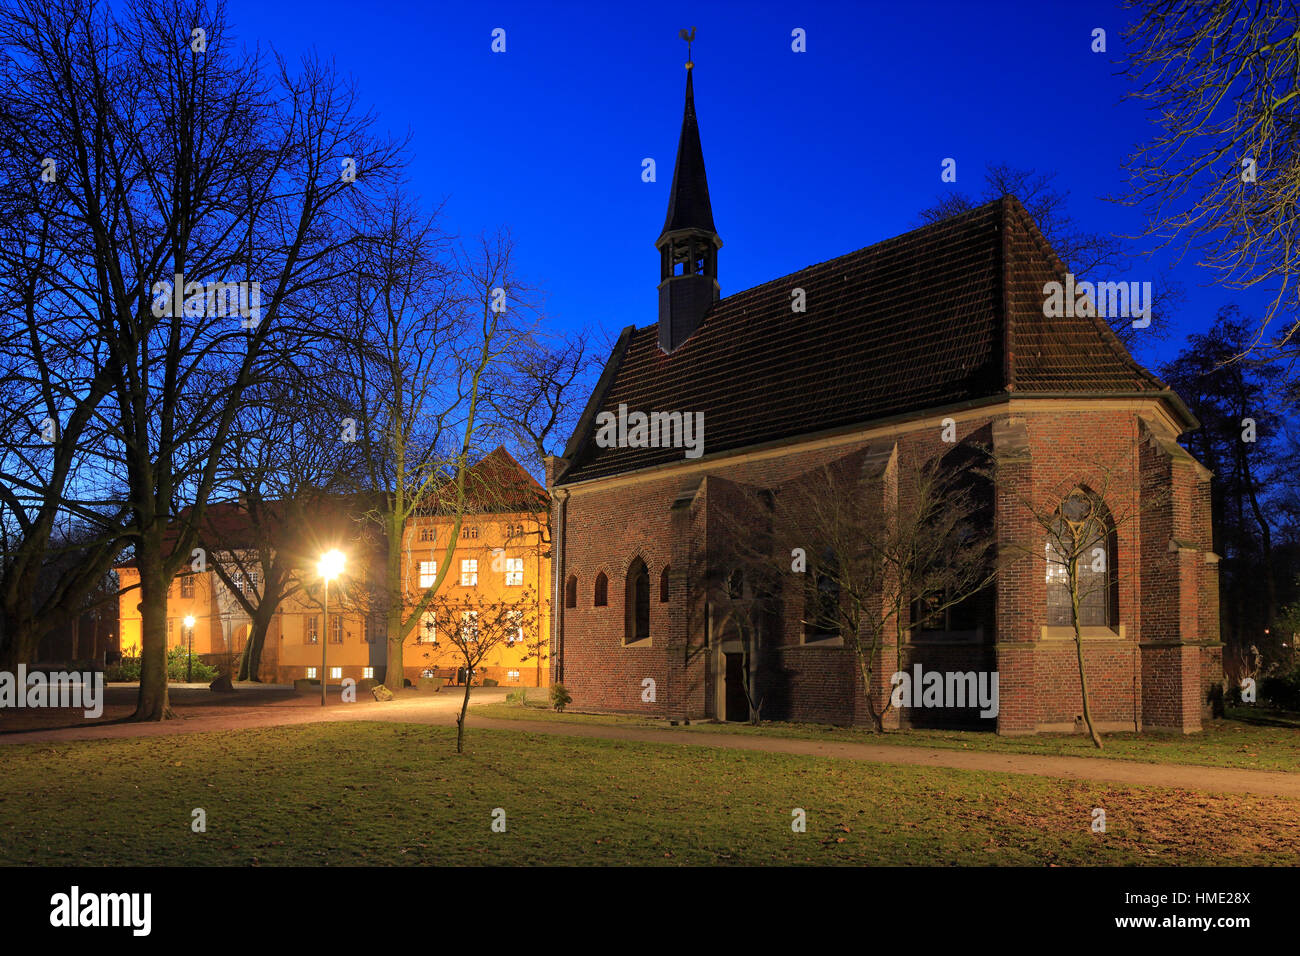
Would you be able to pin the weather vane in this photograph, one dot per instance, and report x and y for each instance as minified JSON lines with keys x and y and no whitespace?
{"x":689,"y":37}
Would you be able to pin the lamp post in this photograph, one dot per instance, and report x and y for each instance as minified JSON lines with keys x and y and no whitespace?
{"x":189,"y":658}
{"x":330,"y":567}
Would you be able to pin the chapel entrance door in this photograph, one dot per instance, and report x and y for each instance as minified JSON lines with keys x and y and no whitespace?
{"x":737,"y":704}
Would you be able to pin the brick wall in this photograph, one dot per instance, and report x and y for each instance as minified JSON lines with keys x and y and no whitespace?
{"x":1164,"y":597}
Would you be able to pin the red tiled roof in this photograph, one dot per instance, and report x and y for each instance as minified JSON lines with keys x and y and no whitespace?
{"x":947,"y":313}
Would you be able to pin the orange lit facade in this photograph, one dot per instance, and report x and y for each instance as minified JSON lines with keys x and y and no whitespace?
{"x":499,"y":558}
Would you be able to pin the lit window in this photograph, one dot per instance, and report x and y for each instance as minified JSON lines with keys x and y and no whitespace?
{"x":311,"y":673}
{"x":336,"y":629}
{"x":311,"y":633}
{"x":516,"y":624}
{"x":428,"y":573}
{"x":428,"y":672}
{"x":1083,"y":529}
{"x":336,"y":673}
{"x":514,"y":571}
{"x":512,"y":675}
{"x":428,"y":632}
{"x":187,"y":586}
{"x":367,"y":672}
{"x":469,"y":626}
{"x":468,"y":572}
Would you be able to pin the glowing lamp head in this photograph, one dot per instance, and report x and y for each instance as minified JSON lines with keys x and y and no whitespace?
{"x":189,"y":620}
{"x":331,"y":565}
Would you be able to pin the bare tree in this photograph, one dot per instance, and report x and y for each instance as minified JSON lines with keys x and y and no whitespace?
{"x":190,"y":174}
{"x":476,"y":628}
{"x":284,"y":471}
{"x":431,"y":320}
{"x":1082,"y":516}
{"x":1222,"y":171}
{"x":878,"y":548}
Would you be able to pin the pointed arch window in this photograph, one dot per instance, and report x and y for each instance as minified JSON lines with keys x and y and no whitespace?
{"x":1082,"y":529}
{"x":571,"y":591}
{"x":637,"y":621}
{"x":600,"y":597}
{"x":822,"y":602}
{"x":663,"y":585}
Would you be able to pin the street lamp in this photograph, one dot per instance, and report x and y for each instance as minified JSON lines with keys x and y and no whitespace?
{"x":330,"y":567}
{"x":189,"y":658}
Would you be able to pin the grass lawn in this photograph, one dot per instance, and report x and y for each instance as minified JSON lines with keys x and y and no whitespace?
{"x":1253,"y":739}
{"x":386,"y":793}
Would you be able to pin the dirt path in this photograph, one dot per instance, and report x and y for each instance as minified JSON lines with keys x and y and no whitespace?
{"x":441,"y":709}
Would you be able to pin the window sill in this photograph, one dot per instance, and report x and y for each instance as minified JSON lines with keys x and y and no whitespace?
{"x":822,"y":642}
{"x":1090,"y":633}
{"x":947,"y":637}
{"x":644,"y":642}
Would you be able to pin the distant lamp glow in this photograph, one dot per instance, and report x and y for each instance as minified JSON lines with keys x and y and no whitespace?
{"x":189,"y":620}
{"x":329,"y":568}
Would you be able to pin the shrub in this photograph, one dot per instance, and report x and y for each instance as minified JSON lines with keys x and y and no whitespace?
{"x":177,"y":670}
{"x":490,"y":682}
{"x":1282,"y":690}
{"x":518,"y":697}
{"x":128,"y":668}
{"x":560,"y":698}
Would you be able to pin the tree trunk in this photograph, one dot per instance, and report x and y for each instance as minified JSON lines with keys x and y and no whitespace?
{"x":250,"y":662}
{"x":1078,"y":646}
{"x":877,"y":718}
{"x":20,"y":644}
{"x":152,"y":703}
{"x":395,"y":672}
{"x":464,"y":708}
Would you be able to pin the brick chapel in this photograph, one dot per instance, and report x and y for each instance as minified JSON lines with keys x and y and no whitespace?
{"x":942,"y":324}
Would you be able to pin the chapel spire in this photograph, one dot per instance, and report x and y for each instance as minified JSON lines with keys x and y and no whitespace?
{"x":688,"y":245}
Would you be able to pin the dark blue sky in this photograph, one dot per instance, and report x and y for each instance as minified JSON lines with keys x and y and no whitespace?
{"x":810,"y":155}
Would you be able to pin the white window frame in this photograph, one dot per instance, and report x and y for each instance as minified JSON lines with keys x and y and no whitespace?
{"x":427,"y":632}
{"x":311,"y":673}
{"x":468,"y":572}
{"x":469,"y":635}
{"x":428,"y":573}
{"x":367,"y":672}
{"x":336,"y":673}
{"x":514,"y":572}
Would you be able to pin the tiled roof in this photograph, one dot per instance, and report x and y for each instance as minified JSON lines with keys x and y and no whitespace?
{"x":947,"y":313}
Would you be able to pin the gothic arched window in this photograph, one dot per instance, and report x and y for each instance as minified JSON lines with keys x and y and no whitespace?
{"x":637,"y":624}
{"x":1083,"y":532}
{"x":601,"y":594}
{"x":571,"y":591}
